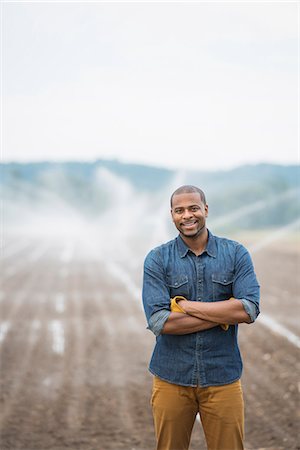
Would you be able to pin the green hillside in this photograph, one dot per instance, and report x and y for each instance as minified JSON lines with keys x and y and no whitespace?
{"x":250,"y":196}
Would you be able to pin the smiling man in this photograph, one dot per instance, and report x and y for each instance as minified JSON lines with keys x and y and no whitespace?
{"x":197,"y":288}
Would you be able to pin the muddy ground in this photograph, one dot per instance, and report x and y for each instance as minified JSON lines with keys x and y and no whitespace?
{"x":75,"y":350}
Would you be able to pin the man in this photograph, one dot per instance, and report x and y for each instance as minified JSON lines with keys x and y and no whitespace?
{"x":197,"y":288}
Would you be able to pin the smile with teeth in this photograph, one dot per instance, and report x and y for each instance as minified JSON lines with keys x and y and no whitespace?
{"x":189,"y":224}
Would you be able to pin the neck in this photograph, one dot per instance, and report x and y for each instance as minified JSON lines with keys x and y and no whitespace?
{"x":196,"y":244}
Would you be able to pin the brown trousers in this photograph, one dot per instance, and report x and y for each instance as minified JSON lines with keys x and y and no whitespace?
{"x":221,"y":410}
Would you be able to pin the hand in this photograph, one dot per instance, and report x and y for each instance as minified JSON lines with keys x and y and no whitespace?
{"x":175,"y":307}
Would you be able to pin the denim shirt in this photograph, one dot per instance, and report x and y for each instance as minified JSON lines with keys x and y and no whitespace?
{"x":204,"y":358}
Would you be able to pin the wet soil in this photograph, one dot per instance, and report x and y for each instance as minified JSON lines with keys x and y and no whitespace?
{"x":75,"y":351}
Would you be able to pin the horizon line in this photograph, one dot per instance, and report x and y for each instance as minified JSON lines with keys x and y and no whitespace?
{"x":142,"y":164}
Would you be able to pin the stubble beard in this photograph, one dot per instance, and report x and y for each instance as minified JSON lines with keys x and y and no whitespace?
{"x":197,"y":233}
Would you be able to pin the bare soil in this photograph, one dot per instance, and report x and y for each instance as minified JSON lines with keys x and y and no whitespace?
{"x":75,"y":351}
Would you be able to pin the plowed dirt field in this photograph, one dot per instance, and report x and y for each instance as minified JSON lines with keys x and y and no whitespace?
{"x":75,"y":350}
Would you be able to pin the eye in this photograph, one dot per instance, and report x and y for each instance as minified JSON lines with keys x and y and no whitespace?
{"x":195,"y":208}
{"x":178,"y":211}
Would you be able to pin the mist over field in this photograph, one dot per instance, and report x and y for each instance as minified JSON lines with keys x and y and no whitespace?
{"x":123,"y":200}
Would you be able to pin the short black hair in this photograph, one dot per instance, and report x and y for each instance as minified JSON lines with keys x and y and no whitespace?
{"x":189,"y":189}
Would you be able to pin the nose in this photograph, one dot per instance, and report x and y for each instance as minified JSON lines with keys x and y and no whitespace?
{"x":187,"y":214}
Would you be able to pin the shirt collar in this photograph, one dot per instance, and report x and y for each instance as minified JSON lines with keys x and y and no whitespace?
{"x":211,"y":247}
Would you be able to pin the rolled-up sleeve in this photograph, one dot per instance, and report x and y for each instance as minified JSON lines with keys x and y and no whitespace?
{"x":250,"y":308}
{"x":157,"y":321}
{"x":246,"y":287}
{"x":156,"y":294}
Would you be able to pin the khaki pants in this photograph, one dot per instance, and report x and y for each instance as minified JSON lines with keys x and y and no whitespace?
{"x":221,"y":410}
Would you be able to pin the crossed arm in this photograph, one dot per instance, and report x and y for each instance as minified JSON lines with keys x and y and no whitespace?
{"x":205,"y":315}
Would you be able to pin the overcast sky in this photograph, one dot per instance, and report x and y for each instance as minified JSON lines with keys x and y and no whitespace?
{"x":175,"y":84}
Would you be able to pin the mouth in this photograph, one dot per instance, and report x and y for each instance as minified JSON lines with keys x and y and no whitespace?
{"x":190,"y":224}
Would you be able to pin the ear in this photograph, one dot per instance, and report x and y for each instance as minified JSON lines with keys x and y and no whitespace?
{"x":206,"y":210}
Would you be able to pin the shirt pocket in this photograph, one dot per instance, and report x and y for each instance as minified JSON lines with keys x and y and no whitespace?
{"x":178,"y":285}
{"x":222,"y":285}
